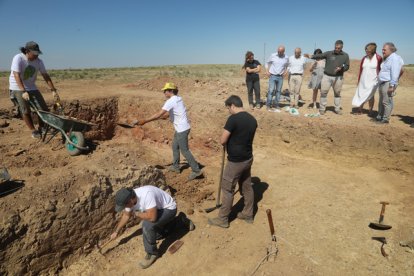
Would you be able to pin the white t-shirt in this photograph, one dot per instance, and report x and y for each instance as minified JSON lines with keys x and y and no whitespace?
{"x":27,"y":70}
{"x":297,"y":65}
{"x":178,"y":114}
{"x":150,"y":197}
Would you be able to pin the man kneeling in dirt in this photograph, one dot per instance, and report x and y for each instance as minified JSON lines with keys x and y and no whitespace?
{"x":156,"y":208}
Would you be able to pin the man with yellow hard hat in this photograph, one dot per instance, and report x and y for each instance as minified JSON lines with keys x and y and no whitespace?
{"x":178,"y":116}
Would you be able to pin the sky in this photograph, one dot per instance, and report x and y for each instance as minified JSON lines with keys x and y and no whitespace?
{"x":133,"y":33}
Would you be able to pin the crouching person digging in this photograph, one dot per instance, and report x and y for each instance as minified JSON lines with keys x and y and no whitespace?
{"x":157,"y":210}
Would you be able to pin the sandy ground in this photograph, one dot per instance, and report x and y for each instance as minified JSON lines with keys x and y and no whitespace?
{"x":323,"y":179}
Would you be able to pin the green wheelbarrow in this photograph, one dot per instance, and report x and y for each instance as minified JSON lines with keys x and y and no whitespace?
{"x":71,"y":129}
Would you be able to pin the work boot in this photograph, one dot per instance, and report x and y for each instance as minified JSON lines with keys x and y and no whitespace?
{"x":36,"y":134}
{"x":147,"y":261}
{"x":218,"y":222}
{"x":244,"y":217}
{"x":174,"y":169}
{"x":185,"y":221}
{"x":194,"y":175}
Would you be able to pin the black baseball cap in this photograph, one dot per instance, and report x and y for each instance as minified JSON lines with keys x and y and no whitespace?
{"x":33,"y":47}
{"x":122,"y":197}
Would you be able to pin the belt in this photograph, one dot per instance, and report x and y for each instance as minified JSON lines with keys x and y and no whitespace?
{"x":332,"y":75}
{"x":277,"y":75}
{"x":296,"y":74}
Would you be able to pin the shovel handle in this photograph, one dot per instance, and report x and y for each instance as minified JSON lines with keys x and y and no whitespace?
{"x":381,"y":218}
{"x":270,"y":219}
{"x":223,"y":157}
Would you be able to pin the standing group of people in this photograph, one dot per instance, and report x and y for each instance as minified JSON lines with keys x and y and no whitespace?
{"x":328,"y":68}
{"x":378,"y":73}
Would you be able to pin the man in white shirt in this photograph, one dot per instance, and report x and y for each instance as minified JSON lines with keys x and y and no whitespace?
{"x":22,"y":83}
{"x":174,"y":106}
{"x":390,"y":73}
{"x":156,"y":208}
{"x":296,"y":68}
{"x":276,"y":69}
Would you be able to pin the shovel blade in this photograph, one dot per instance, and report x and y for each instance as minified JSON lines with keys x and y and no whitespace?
{"x":209,"y":210}
{"x":124,"y":125}
{"x":379,"y":226}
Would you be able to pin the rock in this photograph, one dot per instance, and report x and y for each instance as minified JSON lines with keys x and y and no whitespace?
{"x":50,"y":207}
{"x":37,"y":173}
{"x":4,"y":124}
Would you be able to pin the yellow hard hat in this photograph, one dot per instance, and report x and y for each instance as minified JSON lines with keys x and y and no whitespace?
{"x":169,"y":86}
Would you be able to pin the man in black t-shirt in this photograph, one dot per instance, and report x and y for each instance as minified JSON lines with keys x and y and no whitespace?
{"x":237,"y":137}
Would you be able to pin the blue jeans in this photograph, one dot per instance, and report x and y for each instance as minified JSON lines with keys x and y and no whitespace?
{"x":180,"y":143}
{"x":274,"y":81}
{"x":152,"y":230}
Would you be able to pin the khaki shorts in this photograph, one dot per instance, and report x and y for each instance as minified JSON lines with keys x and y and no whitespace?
{"x":35,"y":97}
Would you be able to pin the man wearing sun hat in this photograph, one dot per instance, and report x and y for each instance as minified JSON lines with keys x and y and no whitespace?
{"x":22,"y":83}
{"x":174,"y":106}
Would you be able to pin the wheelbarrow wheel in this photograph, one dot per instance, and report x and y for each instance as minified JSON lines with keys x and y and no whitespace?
{"x":78,"y":139}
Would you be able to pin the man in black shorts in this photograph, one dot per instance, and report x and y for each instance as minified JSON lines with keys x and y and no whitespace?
{"x":237,"y":137}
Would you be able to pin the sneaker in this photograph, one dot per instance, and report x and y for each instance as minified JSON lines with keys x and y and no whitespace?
{"x":245,"y":218}
{"x":301,"y":101}
{"x":382,"y":122}
{"x":218,"y":222}
{"x":194,"y":175}
{"x":36,"y":134}
{"x":174,"y":169}
{"x":186,"y":222}
{"x":258,"y":106}
{"x":276,"y":110}
{"x":322,"y":112}
{"x":147,"y":261}
{"x":375,"y":119}
{"x":339,"y":112}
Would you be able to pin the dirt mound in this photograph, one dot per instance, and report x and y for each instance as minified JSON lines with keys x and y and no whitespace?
{"x":102,"y":112}
{"x":186,"y":85}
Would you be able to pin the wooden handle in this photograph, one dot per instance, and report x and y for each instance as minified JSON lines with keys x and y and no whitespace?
{"x":381,"y":218}
{"x":223,"y":156}
{"x":270,"y":219}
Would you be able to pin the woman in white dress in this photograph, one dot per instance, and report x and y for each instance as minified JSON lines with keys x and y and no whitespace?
{"x":367,"y":79}
{"x":317,"y":73}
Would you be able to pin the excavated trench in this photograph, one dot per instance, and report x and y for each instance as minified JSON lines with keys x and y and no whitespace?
{"x":69,"y":211}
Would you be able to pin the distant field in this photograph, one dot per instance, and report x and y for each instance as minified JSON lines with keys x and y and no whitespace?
{"x":132,"y":73}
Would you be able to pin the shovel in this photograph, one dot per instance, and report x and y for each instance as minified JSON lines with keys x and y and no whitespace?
{"x":218,"y":204}
{"x":272,"y":248}
{"x":380,"y":225}
{"x":126,"y":125}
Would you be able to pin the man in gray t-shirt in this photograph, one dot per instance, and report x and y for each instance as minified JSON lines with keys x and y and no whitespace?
{"x":337,"y":62}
